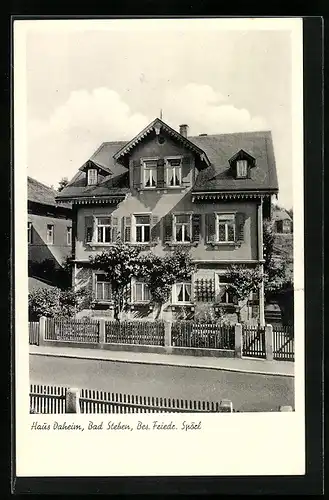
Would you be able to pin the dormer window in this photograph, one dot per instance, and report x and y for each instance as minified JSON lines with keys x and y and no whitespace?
{"x":241,"y":168}
{"x":92,"y":176}
{"x":241,"y":163}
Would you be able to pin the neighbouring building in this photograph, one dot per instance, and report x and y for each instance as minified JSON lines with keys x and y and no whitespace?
{"x":164,"y":188}
{"x":49,"y":231}
{"x":283,"y":223}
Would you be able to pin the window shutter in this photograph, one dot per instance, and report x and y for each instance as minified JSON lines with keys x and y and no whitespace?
{"x":127,"y":229}
{"x":115,"y":229}
{"x":89,"y":227}
{"x":186,"y":168}
{"x":196,"y":227}
{"x":160,"y":173}
{"x":155,"y":231}
{"x":211,"y":227}
{"x":136,"y":174}
{"x":240,"y":220}
{"x":167,"y":228}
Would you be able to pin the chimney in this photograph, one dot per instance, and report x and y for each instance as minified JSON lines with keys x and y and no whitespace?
{"x":183,"y":129}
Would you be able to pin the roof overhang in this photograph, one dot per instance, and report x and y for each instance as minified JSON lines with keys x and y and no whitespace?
{"x":229,"y":195}
{"x":156,"y":126}
{"x":91,"y":200}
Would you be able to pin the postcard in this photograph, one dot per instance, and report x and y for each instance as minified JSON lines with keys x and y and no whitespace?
{"x":159,"y":252}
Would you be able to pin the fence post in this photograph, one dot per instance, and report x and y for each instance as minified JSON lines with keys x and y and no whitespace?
{"x":42,"y":330}
{"x":238,"y":340}
{"x":269,"y":342}
{"x":167,"y":333}
{"x":226,"y":406}
{"x":102,"y":336}
{"x":285,"y":408}
{"x":72,"y":401}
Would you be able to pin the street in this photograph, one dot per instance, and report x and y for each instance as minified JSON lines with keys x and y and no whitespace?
{"x":247,"y":391}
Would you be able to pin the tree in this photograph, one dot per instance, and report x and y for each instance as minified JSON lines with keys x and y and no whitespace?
{"x":54,"y":302}
{"x":120,"y":264}
{"x":62,"y":184}
{"x":277,"y":274}
{"x":243,"y":281}
{"x":161,"y":273}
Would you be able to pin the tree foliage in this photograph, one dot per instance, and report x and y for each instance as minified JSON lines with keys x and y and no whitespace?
{"x":277,"y":275}
{"x":119,"y":264}
{"x":162,"y":272}
{"x":62,"y":184}
{"x":123,"y":262}
{"x":54,"y":302}
{"x":243,"y":281}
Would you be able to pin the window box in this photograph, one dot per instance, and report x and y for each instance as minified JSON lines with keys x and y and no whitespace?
{"x":181,"y":243}
{"x":140,"y":305}
{"x":224,"y":243}
{"x":178,"y":307}
{"x":230,"y":307}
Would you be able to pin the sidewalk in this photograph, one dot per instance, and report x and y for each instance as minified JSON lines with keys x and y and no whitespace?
{"x":248,"y":365}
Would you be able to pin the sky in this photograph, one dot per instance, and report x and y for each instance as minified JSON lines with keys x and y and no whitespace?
{"x":84,"y":87}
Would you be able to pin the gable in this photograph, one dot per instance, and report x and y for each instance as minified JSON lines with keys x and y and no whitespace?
{"x":159,"y":128}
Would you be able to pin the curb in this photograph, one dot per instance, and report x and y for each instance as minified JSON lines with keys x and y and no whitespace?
{"x":164,"y":363}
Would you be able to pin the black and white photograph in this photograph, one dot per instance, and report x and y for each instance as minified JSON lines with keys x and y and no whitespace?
{"x":159,"y":166}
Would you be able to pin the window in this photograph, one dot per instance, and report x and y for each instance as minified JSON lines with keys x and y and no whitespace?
{"x":226,"y":294}
{"x":142,"y":292}
{"x":92,"y":176}
{"x":241,"y":168}
{"x":182,"y":228}
{"x":142,"y":225}
{"x":29,"y":232}
{"x":286,"y":226}
{"x":103,"y":229}
{"x":183,"y":292}
{"x":150,"y":173}
{"x":69,"y":236}
{"x":279,"y":226}
{"x":173,"y":172}
{"x":103,"y":288}
{"x":225,"y":230}
{"x":50,"y":234}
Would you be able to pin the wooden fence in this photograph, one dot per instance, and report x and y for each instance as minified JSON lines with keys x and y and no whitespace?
{"x":75,"y":330}
{"x":106,"y":402}
{"x":135,"y":332}
{"x":34,"y":332}
{"x":283,"y":343}
{"x":202,"y":335}
{"x":253,"y":342}
{"x":47,"y":399}
{"x":50,"y":399}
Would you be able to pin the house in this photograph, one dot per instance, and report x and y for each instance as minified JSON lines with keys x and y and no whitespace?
{"x":283,"y":223}
{"x":49,"y":231}
{"x":163,"y":189}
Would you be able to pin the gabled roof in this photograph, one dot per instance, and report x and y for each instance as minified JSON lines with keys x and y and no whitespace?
{"x":40,"y":193}
{"x":218,"y":176}
{"x":280,"y":214}
{"x":220,"y":148}
{"x":157,"y":125}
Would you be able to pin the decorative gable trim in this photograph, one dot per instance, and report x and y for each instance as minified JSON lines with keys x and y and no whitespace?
{"x":157,"y":125}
